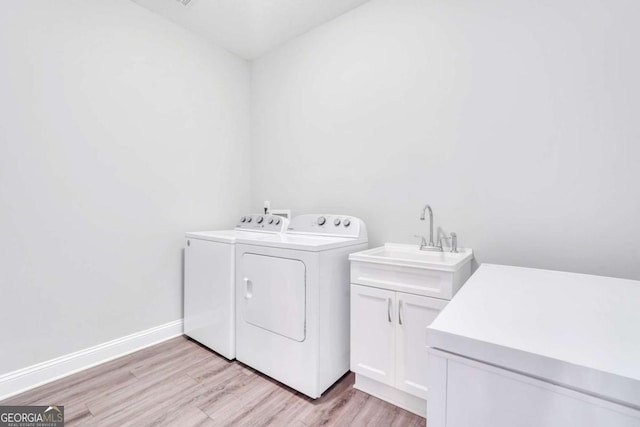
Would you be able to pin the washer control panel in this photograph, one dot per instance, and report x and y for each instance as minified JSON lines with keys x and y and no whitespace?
{"x":263,"y":222}
{"x":329,"y":225}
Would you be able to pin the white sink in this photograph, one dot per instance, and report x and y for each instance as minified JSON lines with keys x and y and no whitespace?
{"x":412,"y":256}
{"x":406,"y":268}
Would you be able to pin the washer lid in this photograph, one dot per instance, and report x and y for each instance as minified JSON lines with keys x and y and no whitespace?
{"x":222,"y":236}
{"x":300,"y":242}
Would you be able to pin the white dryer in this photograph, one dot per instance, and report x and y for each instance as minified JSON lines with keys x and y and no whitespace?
{"x":292,"y":301}
{"x":209,"y":280}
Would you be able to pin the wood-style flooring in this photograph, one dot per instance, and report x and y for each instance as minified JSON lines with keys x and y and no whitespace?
{"x":180,"y":383}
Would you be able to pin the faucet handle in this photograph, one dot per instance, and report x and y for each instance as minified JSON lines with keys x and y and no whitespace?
{"x":423,"y":240}
{"x":454,"y":242}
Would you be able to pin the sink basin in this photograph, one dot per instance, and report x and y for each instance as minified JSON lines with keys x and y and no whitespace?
{"x":405,"y":268}
{"x":412,"y":256}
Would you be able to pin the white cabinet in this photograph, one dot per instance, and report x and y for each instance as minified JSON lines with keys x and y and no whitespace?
{"x":388,"y":343}
{"x":472,"y":393}
{"x":536,"y":348}
{"x":396,"y":292}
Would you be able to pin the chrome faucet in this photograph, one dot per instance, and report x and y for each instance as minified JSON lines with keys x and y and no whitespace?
{"x":429,"y":246}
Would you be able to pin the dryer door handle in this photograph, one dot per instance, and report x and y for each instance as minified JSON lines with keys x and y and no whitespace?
{"x":248,"y":288}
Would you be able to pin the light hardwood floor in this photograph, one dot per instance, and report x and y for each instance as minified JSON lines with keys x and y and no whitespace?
{"x":180,"y":383}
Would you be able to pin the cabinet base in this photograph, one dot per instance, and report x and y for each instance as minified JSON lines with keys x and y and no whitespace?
{"x":392,"y":395}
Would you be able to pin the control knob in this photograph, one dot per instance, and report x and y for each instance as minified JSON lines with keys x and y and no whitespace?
{"x":346,"y":222}
{"x":322,"y":220}
{"x":243,"y":219}
{"x":336,"y":222}
{"x":270,"y":220}
{"x":260,"y":219}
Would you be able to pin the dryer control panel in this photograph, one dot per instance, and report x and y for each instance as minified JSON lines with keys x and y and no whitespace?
{"x":263,"y":223}
{"x":328,"y":225}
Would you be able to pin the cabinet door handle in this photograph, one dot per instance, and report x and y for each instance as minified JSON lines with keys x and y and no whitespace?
{"x":389,"y":309}
{"x":400,"y":312}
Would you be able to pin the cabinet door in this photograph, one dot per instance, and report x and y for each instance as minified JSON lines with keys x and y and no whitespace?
{"x":372,"y":333}
{"x":484,"y":395}
{"x":414,"y":314}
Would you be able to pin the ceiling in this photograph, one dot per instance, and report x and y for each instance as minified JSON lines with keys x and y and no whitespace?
{"x":249,"y":28}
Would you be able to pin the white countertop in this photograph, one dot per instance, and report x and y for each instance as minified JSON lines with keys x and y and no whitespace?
{"x":575,"y":330}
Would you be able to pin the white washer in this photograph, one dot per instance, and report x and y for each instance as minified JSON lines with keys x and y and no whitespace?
{"x":292,"y":301}
{"x":209,"y":277}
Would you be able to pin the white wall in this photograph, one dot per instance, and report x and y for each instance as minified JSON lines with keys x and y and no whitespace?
{"x":118,"y":132}
{"x":516,"y":120}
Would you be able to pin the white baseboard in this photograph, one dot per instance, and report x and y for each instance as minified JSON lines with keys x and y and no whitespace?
{"x":27,"y":378}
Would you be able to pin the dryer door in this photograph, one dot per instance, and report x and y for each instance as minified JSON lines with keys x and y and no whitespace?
{"x":274,"y":294}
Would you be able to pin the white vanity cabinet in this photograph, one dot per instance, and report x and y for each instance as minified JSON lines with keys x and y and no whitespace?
{"x":388,"y":332}
{"x":392,"y":305}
